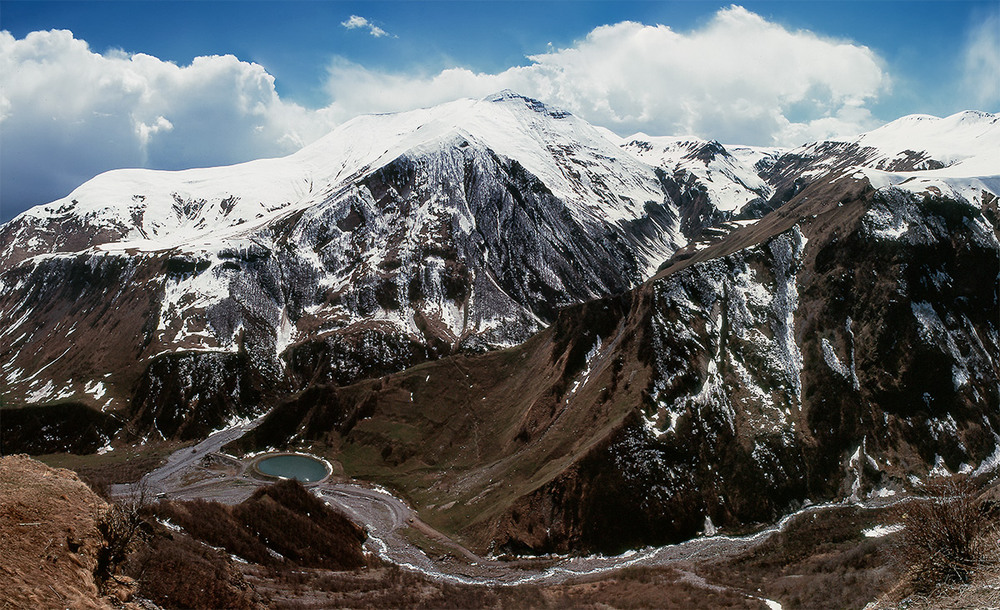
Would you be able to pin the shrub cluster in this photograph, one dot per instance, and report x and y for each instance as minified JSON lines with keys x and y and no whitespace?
{"x":178,"y":572}
{"x":122,"y":529}
{"x":278,"y":524}
{"x":949,"y":536}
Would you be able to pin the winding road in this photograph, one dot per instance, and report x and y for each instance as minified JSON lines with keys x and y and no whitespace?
{"x":386,"y":517}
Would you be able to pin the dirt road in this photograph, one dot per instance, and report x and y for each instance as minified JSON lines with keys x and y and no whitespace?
{"x":168,"y":478}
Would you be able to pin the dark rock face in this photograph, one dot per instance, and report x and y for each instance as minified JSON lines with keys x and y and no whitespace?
{"x":786,"y":371}
{"x":461,"y":232}
{"x":696,"y":209}
{"x":62,"y":427}
{"x":212,"y":388}
{"x":735,"y":386}
{"x":919,"y":315}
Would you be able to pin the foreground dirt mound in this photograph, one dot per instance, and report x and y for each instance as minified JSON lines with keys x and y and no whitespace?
{"x":48,"y":524}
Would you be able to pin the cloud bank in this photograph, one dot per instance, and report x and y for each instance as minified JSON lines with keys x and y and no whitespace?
{"x":68,"y":113}
{"x":739,"y":79}
{"x":982,"y":61}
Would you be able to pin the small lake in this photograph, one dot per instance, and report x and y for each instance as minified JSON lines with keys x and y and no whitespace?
{"x":302,"y":467}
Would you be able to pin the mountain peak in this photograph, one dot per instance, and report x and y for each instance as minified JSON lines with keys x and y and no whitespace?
{"x":507,"y":96}
{"x":964,"y":117}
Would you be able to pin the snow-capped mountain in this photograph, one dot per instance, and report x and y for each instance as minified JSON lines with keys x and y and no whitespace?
{"x":396,"y":239}
{"x":694,"y":331}
{"x":158,"y":210}
{"x":713,"y":184}
{"x":955,"y":156}
{"x":731,"y":181}
{"x":841,"y":348}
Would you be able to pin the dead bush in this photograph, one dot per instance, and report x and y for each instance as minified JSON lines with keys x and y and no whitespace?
{"x":121,"y":527}
{"x":949,"y":535}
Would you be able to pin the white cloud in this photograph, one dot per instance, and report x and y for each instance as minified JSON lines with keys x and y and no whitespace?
{"x":67,"y":113}
{"x":982,"y":62}
{"x":739,"y":78}
{"x":354,"y":21}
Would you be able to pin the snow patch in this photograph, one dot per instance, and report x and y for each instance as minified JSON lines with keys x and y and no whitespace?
{"x":990,"y":464}
{"x":584,"y":377}
{"x":709,"y":528}
{"x":95,"y":388}
{"x":939,"y":469}
{"x":880,"y":531}
{"x":831,"y":359}
{"x":169,"y":525}
{"x":42,"y":393}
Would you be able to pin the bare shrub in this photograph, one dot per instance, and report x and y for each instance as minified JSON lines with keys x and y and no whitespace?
{"x":949,"y":536}
{"x":120,"y":527}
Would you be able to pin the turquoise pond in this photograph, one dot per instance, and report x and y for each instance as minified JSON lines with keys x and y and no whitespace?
{"x":301,"y":467}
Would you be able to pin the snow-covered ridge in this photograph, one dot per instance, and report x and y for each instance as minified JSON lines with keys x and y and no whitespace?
{"x":571,"y":157}
{"x":732,"y":181}
{"x":963,"y":152}
{"x":599,"y":175}
{"x":962,"y":136}
{"x":956,"y":156}
{"x":163,"y":209}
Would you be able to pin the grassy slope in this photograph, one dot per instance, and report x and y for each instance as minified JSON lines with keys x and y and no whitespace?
{"x":481,"y":432}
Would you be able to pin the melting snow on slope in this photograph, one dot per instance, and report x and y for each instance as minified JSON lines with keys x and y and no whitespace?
{"x":831,"y":359}
{"x":95,"y":388}
{"x":730,"y":180}
{"x":42,"y":393}
{"x":990,"y":464}
{"x":880,"y":531}
{"x":584,"y":376}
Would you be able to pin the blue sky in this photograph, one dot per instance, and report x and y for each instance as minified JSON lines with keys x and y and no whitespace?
{"x":124,"y":88}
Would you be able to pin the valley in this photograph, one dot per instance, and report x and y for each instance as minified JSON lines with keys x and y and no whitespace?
{"x":188,"y":474}
{"x":533,"y":354}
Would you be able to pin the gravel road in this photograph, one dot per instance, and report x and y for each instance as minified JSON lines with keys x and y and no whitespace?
{"x":168,"y":479}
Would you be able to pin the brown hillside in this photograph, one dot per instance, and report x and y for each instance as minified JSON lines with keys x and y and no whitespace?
{"x":48,"y":524}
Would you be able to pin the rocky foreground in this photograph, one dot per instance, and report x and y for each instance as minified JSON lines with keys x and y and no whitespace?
{"x":49,"y":526}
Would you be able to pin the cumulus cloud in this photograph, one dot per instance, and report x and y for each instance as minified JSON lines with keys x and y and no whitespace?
{"x":982,"y":62}
{"x":354,"y":22}
{"x":739,"y":78}
{"x":68,"y":113}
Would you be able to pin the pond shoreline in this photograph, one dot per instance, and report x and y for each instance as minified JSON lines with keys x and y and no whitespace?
{"x":305,"y":461}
